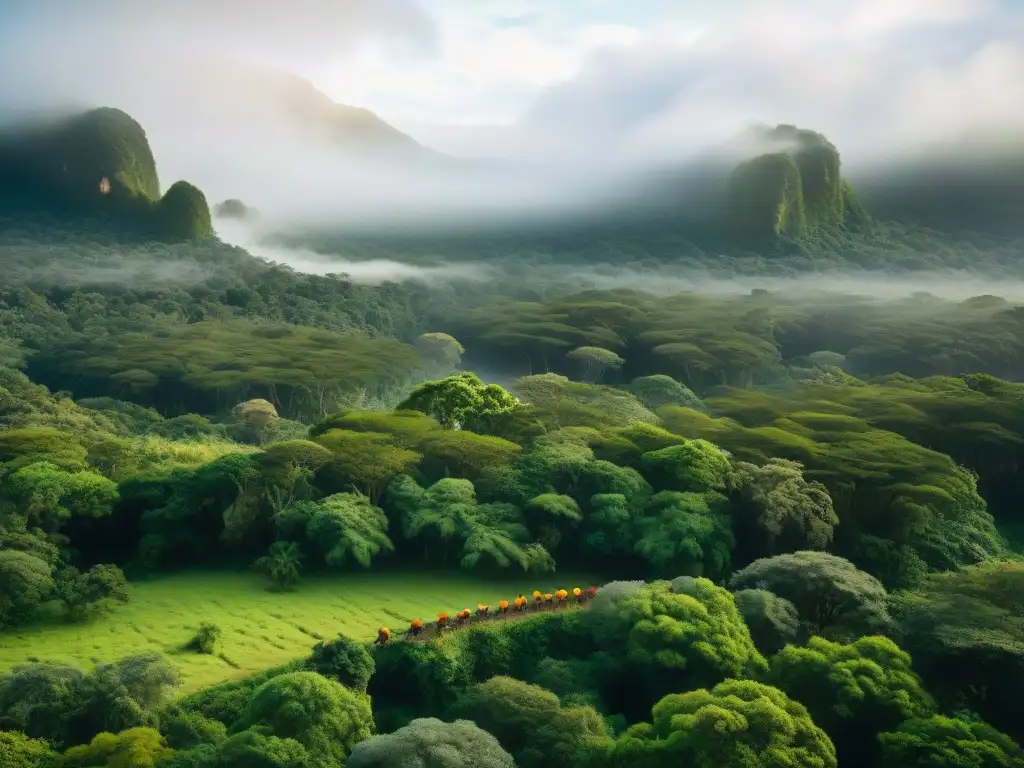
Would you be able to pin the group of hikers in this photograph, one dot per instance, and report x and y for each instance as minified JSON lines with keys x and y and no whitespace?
{"x":541,"y":600}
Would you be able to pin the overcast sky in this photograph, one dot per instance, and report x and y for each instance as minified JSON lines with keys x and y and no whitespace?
{"x":645,"y":74}
{"x":588,"y":79}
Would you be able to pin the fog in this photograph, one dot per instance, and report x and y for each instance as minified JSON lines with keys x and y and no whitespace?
{"x":596,"y":110}
{"x":70,"y":266}
{"x":950,"y":285}
{"x":369,"y":271}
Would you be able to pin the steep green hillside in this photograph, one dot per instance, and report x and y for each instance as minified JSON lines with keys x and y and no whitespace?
{"x":347,"y":126}
{"x":99,"y":165}
{"x":796,"y":189}
{"x":183,"y":213}
{"x":972,"y":185}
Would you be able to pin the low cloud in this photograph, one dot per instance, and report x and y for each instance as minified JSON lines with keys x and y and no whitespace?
{"x":367,"y":271}
{"x":876,"y":77}
{"x":603,"y":90}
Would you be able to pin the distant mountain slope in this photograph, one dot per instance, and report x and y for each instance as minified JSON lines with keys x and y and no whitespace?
{"x":287,"y":106}
{"x":355,"y":126}
{"x":974,"y":184}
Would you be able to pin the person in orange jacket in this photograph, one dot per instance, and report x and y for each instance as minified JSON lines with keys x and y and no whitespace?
{"x":415,"y":628}
{"x":562,"y":596}
{"x":577,"y":595}
{"x":549,"y":598}
{"x":383,"y":637}
{"x":442,"y":621}
{"x":462,"y":616}
{"x":503,"y":606}
{"x":519,"y":603}
{"x":538,"y":599}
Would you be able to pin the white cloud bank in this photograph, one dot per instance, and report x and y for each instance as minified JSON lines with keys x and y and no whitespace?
{"x":596,"y":83}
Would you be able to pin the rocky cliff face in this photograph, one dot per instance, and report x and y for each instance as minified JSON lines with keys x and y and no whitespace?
{"x":97,"y":164}
{"x":795,"y":188}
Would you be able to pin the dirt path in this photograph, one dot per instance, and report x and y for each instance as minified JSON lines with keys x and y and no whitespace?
{"x":430,"y":631}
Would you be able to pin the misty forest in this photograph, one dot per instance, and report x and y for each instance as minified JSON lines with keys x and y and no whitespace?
{"x":720,"y":469}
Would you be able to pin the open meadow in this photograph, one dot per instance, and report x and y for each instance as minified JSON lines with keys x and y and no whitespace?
{"x":260,"y":628}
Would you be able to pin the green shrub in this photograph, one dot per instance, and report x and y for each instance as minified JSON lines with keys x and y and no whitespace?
{"x":206,"y":640}
{"x":344,"y":660}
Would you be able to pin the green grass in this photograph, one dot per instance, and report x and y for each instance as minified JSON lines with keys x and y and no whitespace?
{"x":260,"y":628}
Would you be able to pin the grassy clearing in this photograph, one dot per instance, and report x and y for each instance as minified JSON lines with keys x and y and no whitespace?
{"x":260,"y":628}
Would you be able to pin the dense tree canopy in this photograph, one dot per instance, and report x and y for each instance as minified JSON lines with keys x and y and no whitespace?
{"x":677,"y":640}
{"x":322,"y":715}
{"x":773,"y":621}
{"x":941,"y":740}
{"x":848,"y":466}
{"x":299,"y":369}
{"x":854,"y":692}
{"x":737,"y":723}
{"x":430,"y":742}
{"x":531,"y":723}
{"x":829,"y":593}
{"x":19,"y":751}
{"x":966,"y":634}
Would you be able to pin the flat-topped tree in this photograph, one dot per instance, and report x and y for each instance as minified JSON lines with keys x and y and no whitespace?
{"x":440,"y":351}
{"x":594,"y":361}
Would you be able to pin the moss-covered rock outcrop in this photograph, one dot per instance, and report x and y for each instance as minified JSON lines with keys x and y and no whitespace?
{"x":766,"y":196}
{"x":96,"y":164}
{"x":183,"y":213}
{"x":795,"y":188}
{"x":234,"y":208}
